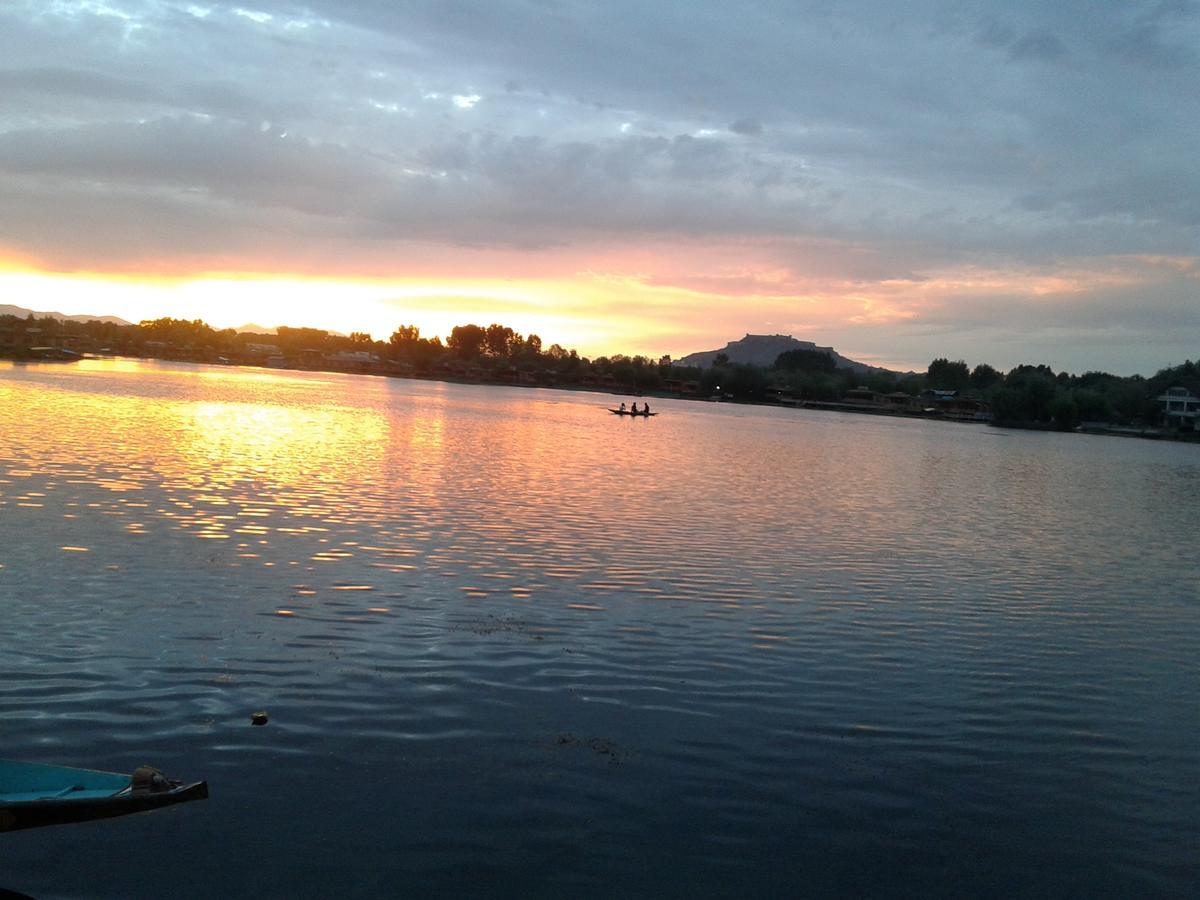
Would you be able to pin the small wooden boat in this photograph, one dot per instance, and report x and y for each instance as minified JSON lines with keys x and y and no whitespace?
{"x":625,"y":412}
{"x":34,"y":795}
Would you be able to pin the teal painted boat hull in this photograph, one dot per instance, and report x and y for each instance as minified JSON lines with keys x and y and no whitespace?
{"x":33,"y":795}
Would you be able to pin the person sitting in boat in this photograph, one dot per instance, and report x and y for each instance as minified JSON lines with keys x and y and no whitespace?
{"x":633,"y":410}
{"x":622,"y":406}
{"x":646,"y":409}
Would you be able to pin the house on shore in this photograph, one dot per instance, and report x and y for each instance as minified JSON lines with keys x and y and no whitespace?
{"x":949,"y":405}
{"x":681,"y":387}
{"x":1180,"y":408}
{"x":896,"y":401}
{"x":359,"y":361}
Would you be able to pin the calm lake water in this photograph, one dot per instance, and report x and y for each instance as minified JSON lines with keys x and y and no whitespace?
{"x":512,"y":645}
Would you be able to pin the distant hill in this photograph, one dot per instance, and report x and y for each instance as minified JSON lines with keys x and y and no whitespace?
{"x":7,"y":309}
{"x":764,"y":349}
{"x":253,"y":328}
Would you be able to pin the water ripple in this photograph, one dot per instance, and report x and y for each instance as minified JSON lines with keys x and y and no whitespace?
{"x":504,"y":644}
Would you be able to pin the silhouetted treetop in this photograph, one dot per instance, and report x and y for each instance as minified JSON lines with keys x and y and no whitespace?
{"x":801,"y":360}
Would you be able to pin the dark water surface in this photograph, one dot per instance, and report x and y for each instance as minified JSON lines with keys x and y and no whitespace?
{"x":512,"y":645}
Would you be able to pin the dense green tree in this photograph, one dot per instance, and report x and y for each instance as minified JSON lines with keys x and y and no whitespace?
{"x":623,"y":369}
{"x":801,"y":360}
{"x":178,"y":332}
{"x":1023,"y":370}
{"x":881,"y":382}
{"x":1063,"y":410}
{"x":498,"y":340}
{"x":1027,"y":396}
{"x":426,"y":352}
{"x":1008,"y":405}
{"x":944,"y":375}
{"x":515,"y":344}
{"x":984,"y":377}
{"x":1185,"y":375}
{"x":467,"y":341}
{"x":1092,"y":405}
{"x":292,"y":341}
{"x":407,"y":346}
{"x":570,"y":366}
{"x":402,"y":345}
{"x":738,"y":381}
{"x":1133,"y":400}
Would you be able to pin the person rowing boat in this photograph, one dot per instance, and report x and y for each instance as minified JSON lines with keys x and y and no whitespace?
{"x":644,"y":412}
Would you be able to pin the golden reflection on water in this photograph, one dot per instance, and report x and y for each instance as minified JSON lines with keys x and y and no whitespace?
{"x":288,"y":446}
{"x":427,"y":435}
{"x":375,"y":484}
{"x":228,"y":453}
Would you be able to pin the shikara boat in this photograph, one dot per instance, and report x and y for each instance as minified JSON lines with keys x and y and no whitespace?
{"x":625,"y":412}
{"x":34,"y":795}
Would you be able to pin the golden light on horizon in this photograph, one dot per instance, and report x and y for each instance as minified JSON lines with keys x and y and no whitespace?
{"x":596,"y":312}
{"x":587,"y":313}
{"x":649,"y":301}
{"x":376,"y":306}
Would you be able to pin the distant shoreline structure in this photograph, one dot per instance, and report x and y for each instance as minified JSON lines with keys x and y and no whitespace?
{"x":763,"y":349}
{"x":771,"y":369}
{"x":869,"y":407}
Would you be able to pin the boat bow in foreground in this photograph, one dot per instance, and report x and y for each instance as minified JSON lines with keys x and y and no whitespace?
{"x":34,"y":795}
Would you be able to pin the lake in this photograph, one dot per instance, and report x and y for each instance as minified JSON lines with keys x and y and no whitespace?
{"x":512,"y":645}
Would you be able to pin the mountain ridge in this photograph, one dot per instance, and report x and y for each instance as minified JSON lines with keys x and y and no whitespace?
{"x":21,"y":312}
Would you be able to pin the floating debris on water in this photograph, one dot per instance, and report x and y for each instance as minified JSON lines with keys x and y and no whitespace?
{"x":599,"y":746}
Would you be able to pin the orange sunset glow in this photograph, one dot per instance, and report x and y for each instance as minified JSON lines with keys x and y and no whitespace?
{"x":615,"y":211}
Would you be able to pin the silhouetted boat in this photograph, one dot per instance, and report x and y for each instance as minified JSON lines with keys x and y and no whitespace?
{"x":625,"y":412}
{"x":34,"y":795}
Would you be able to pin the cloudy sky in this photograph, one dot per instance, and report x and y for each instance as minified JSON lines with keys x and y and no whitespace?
{"x":1005,"y":182}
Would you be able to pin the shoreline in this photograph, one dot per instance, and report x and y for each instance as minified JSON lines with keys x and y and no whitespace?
{"x":1093,"y":429}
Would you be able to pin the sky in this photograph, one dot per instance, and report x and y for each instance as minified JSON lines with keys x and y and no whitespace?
{"x":1002,"y":182}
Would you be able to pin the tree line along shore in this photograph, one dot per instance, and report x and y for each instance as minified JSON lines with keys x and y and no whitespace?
{"x":1031,"y":396}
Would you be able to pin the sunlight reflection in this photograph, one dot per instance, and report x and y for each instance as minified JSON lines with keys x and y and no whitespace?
{"x":428,"y":435}
{"x":286,"y":444}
